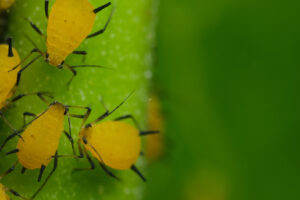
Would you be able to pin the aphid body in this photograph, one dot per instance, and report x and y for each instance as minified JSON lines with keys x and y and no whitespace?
{"x":70,"y":22}
{"x":113,"y":143}
{"x":118,"y":143}
{"x":38,"y":142}
{"x":40,"y":139}
{"x":8,"y":59}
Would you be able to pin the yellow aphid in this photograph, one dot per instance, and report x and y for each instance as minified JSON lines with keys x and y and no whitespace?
{"x":113,"y":143}
{"x":38,"y":143}
{"x":118,"y":143}
{"x":4,"y":4}
{"x":3,"y":195}
{"x":41,"y":138}
{"x":69,"y":23}
{"x":155,"y":146}
{"x":7,"y":79}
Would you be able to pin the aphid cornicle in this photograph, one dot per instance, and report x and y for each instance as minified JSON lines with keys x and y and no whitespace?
{"x":113,"y":143}
{"x":38,"y":143}
{"x":69,"y":23}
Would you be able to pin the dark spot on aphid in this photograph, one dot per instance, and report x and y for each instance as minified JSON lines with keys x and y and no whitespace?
{"x":84,"y":140}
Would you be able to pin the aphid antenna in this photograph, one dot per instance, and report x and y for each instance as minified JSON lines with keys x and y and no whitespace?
{"x":126,"y":98}
{"x":107,"y":113}
{"x":96,"y":66}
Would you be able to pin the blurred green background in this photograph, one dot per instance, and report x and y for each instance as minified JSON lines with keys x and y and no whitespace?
{"x":227,"y":74}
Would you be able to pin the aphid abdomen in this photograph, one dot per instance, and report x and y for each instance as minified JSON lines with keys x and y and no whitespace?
{"x":7,"y":79}
{"x":41,"y":138}
{"x":117,"y":143}
{"x":70,"y":22}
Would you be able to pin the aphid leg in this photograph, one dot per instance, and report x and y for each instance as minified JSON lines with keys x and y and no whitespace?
{"x":41,"y":95}
{"x":41,"y":172}
{"x":106,"y":170}
{"x":128,"y":117}
{"x":9,"y":138}
{"x":16,"y":194}
{"x":133,"y":168}
{"x":83,"y":53}
{"x":107,"y":112}
{"x":12,"y":152}
{"x":105,"y":26}
{"x":26,"y":66}
{"x":10,"y":49}
{"x":69,"y":136}
{"x":11,"y":190}
{"x":27,"y":114}
{"x":143,"y":133}
{"x":7,"y":122}
{"x":84,"y":116}
{"x":96,"y":10}
{"x":90,"y":161}
{"x":72,"y":70}
{"x":11,"y":169}
{"x":35,"y":50}
{"x":81,"y":155}
{"x":46,"y":180}
{"x":23,"y":170}
{"x":47,"y":8}
{"x":35,"y":28}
